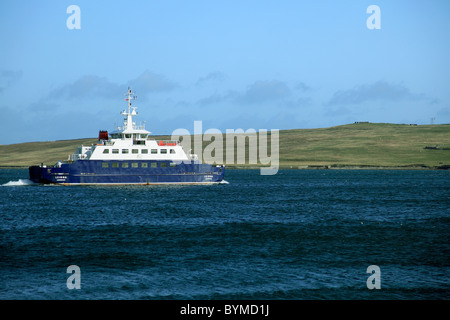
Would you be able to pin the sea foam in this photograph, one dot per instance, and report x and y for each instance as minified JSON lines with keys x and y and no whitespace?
{"x":20,"y":182}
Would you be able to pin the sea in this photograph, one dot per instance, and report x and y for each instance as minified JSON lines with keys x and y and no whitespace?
{"x":296,"y":235}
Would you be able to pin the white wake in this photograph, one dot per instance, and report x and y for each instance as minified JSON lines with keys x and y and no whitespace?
{"x":20,"y":182}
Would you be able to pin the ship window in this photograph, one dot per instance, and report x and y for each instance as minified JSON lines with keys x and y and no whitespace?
{"x":163,"y":151}
{"x":115,"y":151}
{"x":143,"y":135}
{"x":128,"y":135}
{"x":172,"y":150}
{"x":144,"y":151}
{"x":144,"y":165}
{"x":124,"y":150}
{"x":105,"y":165}
{"x":124,"y":164}
{"x":106,"y":151}
{"x":135,"y":165}
{"x":163,"y":164}
{"x":154,"y":164}
{"x":173,"y":164}
{"x":135,"y":151}
{"x":115,"y":165}
{"x":154,"y":151}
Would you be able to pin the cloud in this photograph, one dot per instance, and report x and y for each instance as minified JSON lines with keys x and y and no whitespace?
{"x":151,"y":82}
{"x":261,"y":92}
{"x":8,"y":78}
{"x":42,"y":107}
{"x":264,"y":91}
{"x":212,"y":99}
{"x":88,"y":86}
{"x":378,"y":91}
{"x":301,"y":86}
{"x":299,"y":103}
{"x":91,"y":86}
{"x":215,"y":76}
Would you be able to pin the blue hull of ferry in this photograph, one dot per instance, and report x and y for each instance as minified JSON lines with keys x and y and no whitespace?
{"x":95,"y":172}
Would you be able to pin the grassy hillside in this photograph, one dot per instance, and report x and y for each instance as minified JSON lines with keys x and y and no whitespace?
{"x":353,"y":145}
{"x":367,"y":144}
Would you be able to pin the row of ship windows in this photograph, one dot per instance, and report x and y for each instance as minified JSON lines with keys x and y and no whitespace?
{"x":136,"y":164}
{"x":136,"y":151}
{"x":128,"y":135}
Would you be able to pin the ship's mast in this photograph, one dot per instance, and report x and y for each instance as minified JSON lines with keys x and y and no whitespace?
{"x":129,"y":120}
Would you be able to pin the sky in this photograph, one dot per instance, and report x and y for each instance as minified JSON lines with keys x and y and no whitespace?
{"x":230,"y":64}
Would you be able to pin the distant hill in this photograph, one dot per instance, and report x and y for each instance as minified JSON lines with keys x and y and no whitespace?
{"x":358,"y":145}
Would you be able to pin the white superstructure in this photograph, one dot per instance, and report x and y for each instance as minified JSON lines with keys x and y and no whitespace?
{"x":131,"y":142}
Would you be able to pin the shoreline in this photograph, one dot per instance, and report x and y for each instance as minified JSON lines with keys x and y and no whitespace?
{"x":346,"y":167}
{"x":356,"y":146}
{"x":314,"y":167}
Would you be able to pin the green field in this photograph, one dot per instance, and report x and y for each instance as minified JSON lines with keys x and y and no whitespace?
{"x":359,"y":145}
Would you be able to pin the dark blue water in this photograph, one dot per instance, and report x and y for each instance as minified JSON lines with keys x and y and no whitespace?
{"x":301,"y":234}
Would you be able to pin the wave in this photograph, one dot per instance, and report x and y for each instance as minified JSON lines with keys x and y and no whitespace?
{"x":224,"y":182}
{"x":20,"y":182}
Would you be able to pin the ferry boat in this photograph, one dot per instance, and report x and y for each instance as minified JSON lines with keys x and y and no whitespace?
{"x":129,"y":155}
